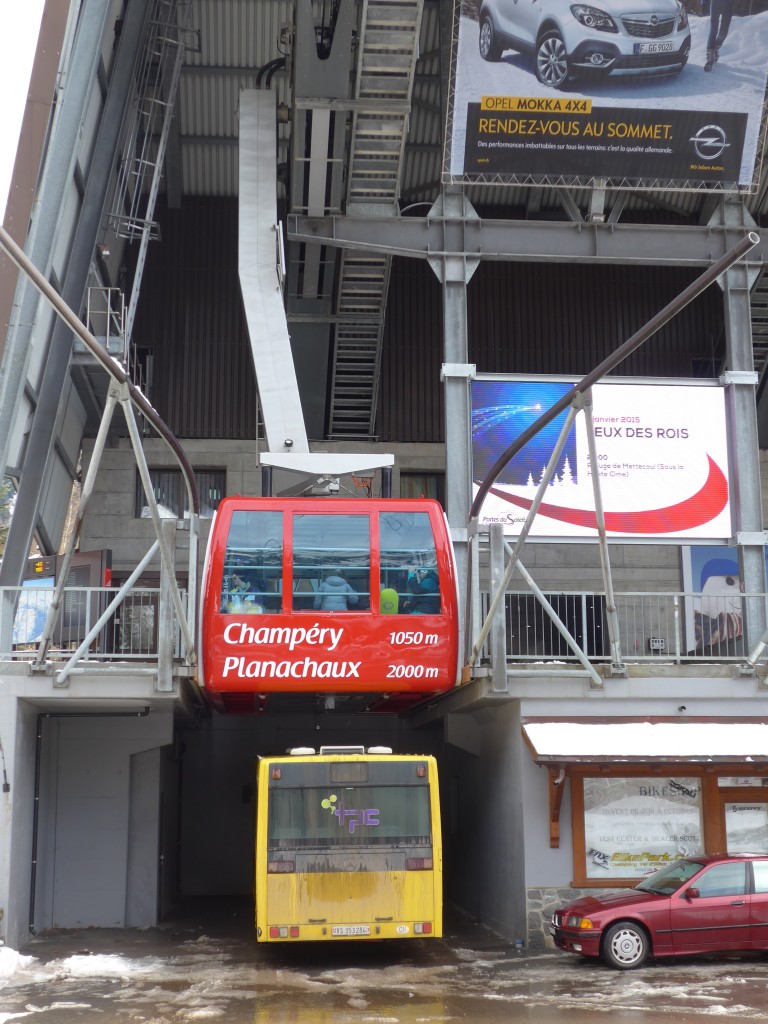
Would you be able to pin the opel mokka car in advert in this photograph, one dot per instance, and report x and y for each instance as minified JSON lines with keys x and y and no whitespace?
{"x":570,"y":40}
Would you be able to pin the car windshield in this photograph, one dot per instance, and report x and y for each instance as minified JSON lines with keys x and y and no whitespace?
{"x":670,"y":878}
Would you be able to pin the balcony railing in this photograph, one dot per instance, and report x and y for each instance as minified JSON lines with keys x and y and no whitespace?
{"x":665,"y":627}
{"x":130,"y":633}
{"x":656,"y":627}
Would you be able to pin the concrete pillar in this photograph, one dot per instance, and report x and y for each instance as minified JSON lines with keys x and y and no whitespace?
{"x":18,"y":724}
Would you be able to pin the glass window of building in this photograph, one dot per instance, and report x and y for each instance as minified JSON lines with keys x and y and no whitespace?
{"x":423,"y":485}
{"x":170,"y":493}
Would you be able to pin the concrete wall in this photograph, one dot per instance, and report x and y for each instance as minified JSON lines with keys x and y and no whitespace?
{"x":483,"y":826}
{"x":548,"y":871}
{"x":111,"y":521}
{"x":543,"y":864}
{"x":18,"y":722}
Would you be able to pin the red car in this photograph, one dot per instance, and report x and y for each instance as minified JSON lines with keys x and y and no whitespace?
{"x":707,"y":904}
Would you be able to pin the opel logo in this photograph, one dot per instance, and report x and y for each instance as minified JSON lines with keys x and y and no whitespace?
{"x":654,"y":19}
{"x":710,"y":142}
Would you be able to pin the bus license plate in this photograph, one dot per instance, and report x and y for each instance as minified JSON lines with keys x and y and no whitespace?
{"x":654,"y":47}
{"x":350,"y":929}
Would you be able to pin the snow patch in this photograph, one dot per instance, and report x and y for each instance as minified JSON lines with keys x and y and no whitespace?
{"x":11,"y":961}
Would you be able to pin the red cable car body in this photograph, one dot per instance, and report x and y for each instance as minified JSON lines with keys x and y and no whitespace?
{"x":328,"y":595}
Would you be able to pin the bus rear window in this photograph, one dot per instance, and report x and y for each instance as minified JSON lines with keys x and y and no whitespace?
{"x":348,"y":816}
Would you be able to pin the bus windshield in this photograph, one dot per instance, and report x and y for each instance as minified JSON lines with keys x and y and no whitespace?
{"x":353,"y":816}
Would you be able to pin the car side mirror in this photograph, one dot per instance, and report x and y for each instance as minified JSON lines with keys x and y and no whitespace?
{"x":691,"y":893}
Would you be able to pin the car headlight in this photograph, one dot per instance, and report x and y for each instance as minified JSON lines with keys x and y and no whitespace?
{"x":593,"y":17}
{"x":682,"y":17}
{"x":581,"y":923}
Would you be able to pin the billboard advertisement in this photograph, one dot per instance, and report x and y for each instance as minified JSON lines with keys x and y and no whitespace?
{"x":661,"y":449}
{"x":653,"y":93}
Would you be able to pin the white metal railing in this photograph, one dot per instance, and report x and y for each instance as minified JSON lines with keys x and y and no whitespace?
{"x":656,"y":627}
{"x":661,"y":627}
{"x":129,"y":634}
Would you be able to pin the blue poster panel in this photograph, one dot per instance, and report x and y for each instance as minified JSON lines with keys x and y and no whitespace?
{"x":661,"y":450}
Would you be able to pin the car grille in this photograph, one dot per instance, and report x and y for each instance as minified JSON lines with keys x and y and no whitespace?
{"x":557,"y":920}
{"x":654,"y":60}
{"x":643,"y":28}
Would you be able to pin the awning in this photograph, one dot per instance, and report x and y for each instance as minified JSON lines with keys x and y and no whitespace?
{"x":563,"y":743}
{"x":562,"y":746}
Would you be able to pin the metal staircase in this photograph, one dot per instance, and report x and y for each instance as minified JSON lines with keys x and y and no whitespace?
{"x":130,"y":212}
{"x":388,"y":49}
{"x":759,"y":307}
{"x":146,"y":139}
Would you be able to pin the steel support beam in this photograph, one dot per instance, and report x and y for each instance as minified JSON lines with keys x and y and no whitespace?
{"x":440,"y":236}
{"x":39,"y":246}
{"x":454,"y":272}
{"x":36,"y":469}
{"x":740,"y":383}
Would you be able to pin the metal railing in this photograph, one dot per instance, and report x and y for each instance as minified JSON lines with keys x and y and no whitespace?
{"x":666,"y":627}
{"x":130,"y":634}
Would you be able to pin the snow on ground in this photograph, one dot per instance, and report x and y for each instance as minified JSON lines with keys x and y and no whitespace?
{"x":736,"y":84}
{"x":11,"y":961}
{"x":161,"y":979}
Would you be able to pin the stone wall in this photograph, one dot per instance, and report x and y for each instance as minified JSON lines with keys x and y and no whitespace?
{"x":541,"y":904}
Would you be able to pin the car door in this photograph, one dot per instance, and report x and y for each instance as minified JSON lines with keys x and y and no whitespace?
{"x":712,"y":912}
{"x":758,"y":915}
{"x":520,"y":19}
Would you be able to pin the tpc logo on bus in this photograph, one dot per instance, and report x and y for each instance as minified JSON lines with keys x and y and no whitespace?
{"x":350,"y":817}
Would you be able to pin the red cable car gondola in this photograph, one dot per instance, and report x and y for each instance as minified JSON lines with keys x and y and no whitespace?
{"x":331,"y":596}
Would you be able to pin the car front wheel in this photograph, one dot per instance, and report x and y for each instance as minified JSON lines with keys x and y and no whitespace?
{"x":625,"y":946}
{"x":552,"y":61}
{"x":489,"y":43}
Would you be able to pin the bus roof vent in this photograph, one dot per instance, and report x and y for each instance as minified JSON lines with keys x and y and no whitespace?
{"x":379,"y":750}
{"x":302,"y":751}
{"x":342,"y":750}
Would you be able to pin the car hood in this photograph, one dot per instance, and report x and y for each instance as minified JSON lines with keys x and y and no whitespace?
{"x":615,"y":898}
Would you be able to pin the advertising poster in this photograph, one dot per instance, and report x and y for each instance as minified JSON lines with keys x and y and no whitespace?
{"x":32,"y":610}
{"x":716,"y":616}
{"x":633,"y":827}
{"x":746,"y":826}
{"x":656,"y":93}
{"x":661,"y":451}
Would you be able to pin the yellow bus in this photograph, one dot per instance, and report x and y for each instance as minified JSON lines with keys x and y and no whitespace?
{"x":348,"y":846}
